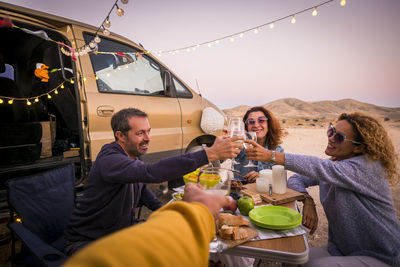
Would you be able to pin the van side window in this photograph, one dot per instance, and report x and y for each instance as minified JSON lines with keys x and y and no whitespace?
{"x":126,"y":72}
{"x":181,"y":90}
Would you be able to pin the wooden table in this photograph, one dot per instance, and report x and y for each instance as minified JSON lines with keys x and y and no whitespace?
{"x":292,"y":250}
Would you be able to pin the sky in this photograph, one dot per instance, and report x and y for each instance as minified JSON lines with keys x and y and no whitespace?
{"x":349,"y":51}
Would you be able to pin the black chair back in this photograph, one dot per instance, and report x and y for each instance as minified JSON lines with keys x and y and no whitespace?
{"x":44,"y":203}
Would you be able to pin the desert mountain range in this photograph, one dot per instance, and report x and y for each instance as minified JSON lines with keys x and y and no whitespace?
{"x":295,"y":108}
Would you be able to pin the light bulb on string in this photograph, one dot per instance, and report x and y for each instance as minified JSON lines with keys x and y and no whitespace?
{"x":315,"y":12}
{"x":293,"y":21}
{"x":343,"y":2}
{"x":92,"y":44}
{"x":97,"y":39}
{"x":124,"y":2}
{"x":72,"y":81}
{"x":56,"y":92}
{"x":241,"y":35}
{"x":120,"y":11}
{"x":256,"y":31}
{"x":62,"y":86}
{"x":107,"y":23}
{"x":271,"y":25}
{"x":84,"y":79}
{"x":37,"y":99}
{"x":1,"y":101}
{"x":232,"y":39}
{"x":209,"y":45}
{"x":96,"y":77}
{"x":28,"y":103}
{"x":48,"y":96}
{"x":217,"y":42}
{"x":106,"y":32}
{"x":10,"y":101}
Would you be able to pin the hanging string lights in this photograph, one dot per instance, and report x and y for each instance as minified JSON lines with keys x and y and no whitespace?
{"x":92,"y":45}
{"x":255,"y":30}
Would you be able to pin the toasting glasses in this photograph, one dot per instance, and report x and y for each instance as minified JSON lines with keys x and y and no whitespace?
{"x":251,"y":136}
{"x":236,"y":128}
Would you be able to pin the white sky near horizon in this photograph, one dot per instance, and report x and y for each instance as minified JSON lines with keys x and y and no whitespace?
{"x":343,"y":52}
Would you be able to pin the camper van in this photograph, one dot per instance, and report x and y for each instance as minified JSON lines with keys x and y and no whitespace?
{"x":56,"y":103}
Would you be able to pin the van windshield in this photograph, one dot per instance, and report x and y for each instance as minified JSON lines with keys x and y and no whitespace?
{"x":125,"y":72}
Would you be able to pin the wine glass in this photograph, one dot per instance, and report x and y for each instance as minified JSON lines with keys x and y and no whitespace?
{"x":216,"y":180}
{"x":236,"y":128}
{"x":251,"y":136}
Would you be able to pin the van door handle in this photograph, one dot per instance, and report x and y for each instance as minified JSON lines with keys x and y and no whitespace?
{"x":105,"y":111}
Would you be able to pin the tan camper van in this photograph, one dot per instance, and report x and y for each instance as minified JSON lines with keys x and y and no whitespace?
{"x":65,"y":117}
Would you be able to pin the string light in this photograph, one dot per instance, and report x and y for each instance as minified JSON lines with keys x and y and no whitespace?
{"x":342,"y":2}
{"x":62,"y":86}
{"x":10,"y":101}
{"x":37,"y":99}
{"x":256,"y":29}
{"x":124,"y":2}
{"x":120,"y":12}
{"x":28,"y":103}
{"x":1,"y":101}
{"x":106,"y":32}
{"x":232,"y":39}
{"x":97,"y":39}
{"x":72,"y":81}
{"x":56,"y":92}
{"x":48,"y":96}
{"x":107,"y":23}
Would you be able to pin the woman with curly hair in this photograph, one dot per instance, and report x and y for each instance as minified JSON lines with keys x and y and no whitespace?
{"x":269,"y":135}
{"x":354,"y":186}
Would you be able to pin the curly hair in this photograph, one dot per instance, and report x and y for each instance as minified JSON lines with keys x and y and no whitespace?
{"x":275,"y":132}
{"x":378,"y":145}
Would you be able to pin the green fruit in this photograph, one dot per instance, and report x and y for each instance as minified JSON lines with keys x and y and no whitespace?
{"x":245,"y":205}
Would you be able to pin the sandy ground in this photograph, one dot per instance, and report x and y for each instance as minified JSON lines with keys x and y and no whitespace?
{"x":299,"y":140}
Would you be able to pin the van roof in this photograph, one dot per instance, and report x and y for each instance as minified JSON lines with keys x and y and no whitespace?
{"x":52,"y":20}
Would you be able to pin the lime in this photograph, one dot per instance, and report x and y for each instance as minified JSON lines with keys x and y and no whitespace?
{"x":245,"y":205}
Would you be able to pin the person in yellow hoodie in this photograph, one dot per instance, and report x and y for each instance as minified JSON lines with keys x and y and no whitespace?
{"x":178,"y":234}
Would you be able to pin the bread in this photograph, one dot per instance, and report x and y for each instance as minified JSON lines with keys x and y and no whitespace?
{"x":232,"y":232}
{"x":239,"y":233}
{"x":232,"y":220}
{"x":229,"y":226}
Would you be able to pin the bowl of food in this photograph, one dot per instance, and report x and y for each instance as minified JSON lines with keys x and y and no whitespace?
{"x":177,"y":196}
{"x":191,"y":177}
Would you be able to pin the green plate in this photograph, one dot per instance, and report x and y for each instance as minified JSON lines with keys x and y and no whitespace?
{"x":275,"y":217}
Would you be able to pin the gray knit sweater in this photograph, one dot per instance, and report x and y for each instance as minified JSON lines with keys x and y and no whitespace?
{"x":357,"y":201}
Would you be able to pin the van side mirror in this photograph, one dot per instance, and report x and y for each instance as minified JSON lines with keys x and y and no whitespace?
{"x":168,"y":84}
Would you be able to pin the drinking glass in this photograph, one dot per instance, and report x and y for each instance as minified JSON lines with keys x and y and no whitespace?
{"x":215,"y":180}
{"x":251,"y":136}
{"x":236,"y":128}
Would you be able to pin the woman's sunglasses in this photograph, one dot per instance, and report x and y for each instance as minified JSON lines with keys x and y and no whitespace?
{"x":338,"y":138}
{"x":251,"y":121}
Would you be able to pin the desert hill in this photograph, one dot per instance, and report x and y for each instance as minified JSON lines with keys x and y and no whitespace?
{"x":292,"y":108}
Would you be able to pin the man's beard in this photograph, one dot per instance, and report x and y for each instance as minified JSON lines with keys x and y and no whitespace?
{"x":135,"y":152}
